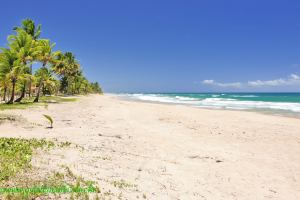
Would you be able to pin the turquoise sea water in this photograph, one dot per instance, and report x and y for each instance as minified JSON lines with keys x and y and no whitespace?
{"x":278,"y":103}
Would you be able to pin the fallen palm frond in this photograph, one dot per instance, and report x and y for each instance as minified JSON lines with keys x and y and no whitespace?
{"x":49,"y":118}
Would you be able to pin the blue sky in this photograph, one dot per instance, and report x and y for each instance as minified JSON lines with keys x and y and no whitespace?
{"x":171,"y":45}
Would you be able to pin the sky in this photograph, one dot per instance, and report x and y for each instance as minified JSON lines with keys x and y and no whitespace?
{"x":172,"y":45}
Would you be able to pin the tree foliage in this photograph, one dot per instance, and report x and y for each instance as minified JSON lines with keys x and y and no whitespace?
{"x":59,"y":72}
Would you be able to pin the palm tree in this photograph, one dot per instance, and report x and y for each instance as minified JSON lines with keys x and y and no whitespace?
{"x":23,"y":44}
{"x":25,"y":47}
{"x":10,"y":68}
{"x":48,"y":82}
{"x":23,"y":79}
{"x":4,"y":83}
{"x":28,"y":25}
{"x":67,"y":67}
{"x":46,"y":56}
{"x":34,"y":31}
{"x":78,"y":80}
{"x":96,"y":88}
{"x":85,"y":84}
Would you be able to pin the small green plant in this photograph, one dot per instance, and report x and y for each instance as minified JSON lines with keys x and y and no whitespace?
{"x":123,"y":184}
{"x":16,"y":169}
{"x":65,"y":144}
{"x":60,"y":183}
{"x":7,"y":118}
{"x":16,"y":154}
{"x":50,"y":120}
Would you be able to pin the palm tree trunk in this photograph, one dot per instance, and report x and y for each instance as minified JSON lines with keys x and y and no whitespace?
{"x":38,"y":92}
{"x":4,"y":93}
{"x":23,"y":93}
{"x":40,"y":85}
{"x":11,"y":101}
{"x":30,"y":81}
{"x":44,"y":89}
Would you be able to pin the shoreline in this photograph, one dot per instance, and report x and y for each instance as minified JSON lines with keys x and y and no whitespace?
{"x":260,"y":111}
{"x":157,"y":151}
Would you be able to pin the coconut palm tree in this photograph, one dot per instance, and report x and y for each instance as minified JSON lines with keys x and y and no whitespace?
{"x":10,"y":68}
{"x":4,"y":84}
{"x":46,"y":56}
{"x":96,"y":88}
{"x":85,"y":85}
{"x":47,"y":80}
{"x":67,"y":67}
{"x":34,"y":31}
{"x":28,"y":25}
{"x":23,"y":79}
{"x":24,"y":46}
{"x":78,"y":80}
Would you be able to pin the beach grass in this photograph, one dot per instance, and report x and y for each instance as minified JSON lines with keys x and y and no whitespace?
{"x":15,"y":158}
{"x":22,"y":105}
{"x":16,"y":154}
{"x":44,"y":100}
{"x":57,"y":99}
{"x":58,"y":181}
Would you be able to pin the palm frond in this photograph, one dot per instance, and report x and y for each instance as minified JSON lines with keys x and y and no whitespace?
{"x":49,"y":118}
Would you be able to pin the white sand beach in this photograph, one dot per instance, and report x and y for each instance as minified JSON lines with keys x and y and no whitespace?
{"x":167,"y":151}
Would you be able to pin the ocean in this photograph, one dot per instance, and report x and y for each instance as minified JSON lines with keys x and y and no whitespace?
{"x":273,"y":103}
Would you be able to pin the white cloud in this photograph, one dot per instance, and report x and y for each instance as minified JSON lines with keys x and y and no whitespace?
{"x":276,"y":82}
{"x":208,"y":82}
{"x":212,"y":82}
{"x":293,"y":79}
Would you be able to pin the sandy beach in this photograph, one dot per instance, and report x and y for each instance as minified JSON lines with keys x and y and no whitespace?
{"x":136,"y":150}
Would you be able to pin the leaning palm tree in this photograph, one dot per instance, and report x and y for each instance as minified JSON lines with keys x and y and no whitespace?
{"x":24,"y":46}
{"x":46,"y":56}
{"x":10,"y":68}
{"x":24,"y":77}
{"x":34,"y":31}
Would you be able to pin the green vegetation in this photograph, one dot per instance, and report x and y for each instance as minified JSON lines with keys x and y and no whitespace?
{"x":123,"y":184}
{"x":43,"y":101}
{"x":59,"y":72}
{"x":65,"y":144}
{"x":16,"y":172}
{"x":57,"y":185}
{"x":15,"y":154}
{"x":22,"y":105}
{"x":56,"y":99}
{"x":61,"y":184}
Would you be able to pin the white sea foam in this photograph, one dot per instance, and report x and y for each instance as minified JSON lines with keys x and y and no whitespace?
{"x":235,"y":104}
{"x":185,"y":98}
{"x":244,"y":96}
{"x":224,"y":103}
